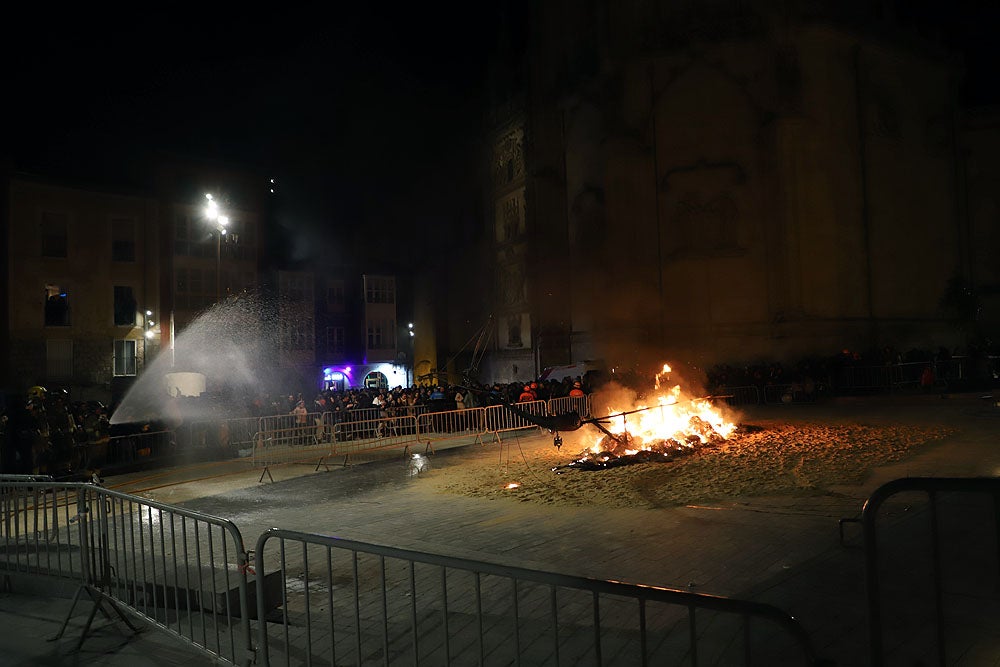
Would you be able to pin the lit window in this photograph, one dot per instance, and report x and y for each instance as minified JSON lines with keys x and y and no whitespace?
{"x":56,"y":307}
{"x":124,"y":361}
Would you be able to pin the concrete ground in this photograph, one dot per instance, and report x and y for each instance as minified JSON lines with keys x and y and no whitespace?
{"x":783,"y":550}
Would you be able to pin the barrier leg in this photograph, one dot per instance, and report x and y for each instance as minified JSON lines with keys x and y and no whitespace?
{"x":99,"y":599}
{"x":429,"y":449}
{"x":267,"y":471}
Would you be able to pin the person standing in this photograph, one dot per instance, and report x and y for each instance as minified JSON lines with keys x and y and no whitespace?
{"x":301,"y":417}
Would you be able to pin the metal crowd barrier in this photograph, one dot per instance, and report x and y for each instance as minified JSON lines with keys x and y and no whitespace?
{"x":298,"y":444}
{"x":787,"y":393}
{"x":864,"y":378}
{"x":229,"y":434}
{"x":37,"y":531}
{"x":352,"y":438}
{"x":735,"y":396}
{"x":908,"y":374}
{"x":316,"y":443}
{"x":932,"y":486}
{"x":562,"y":405}
{"x":497,"y":418}
{"x":452,"y":424}
{"x":362,"y":414}
{"x":139,"y":446}
{"x":183,"y":571}
{"x":352,"y":603}
{"x":285,"y":422}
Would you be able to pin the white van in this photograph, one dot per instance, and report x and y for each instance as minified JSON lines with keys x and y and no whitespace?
{"x":572,"y":371}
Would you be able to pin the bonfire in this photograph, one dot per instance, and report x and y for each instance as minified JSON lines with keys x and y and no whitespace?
{"x":671,"y":425}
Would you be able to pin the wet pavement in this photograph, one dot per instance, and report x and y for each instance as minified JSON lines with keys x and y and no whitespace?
{"x":783,"y":550}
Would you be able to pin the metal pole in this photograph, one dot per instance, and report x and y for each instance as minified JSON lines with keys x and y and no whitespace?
{"x":218,"y":264}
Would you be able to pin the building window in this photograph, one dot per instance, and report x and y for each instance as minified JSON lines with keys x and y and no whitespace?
{"x":125,"y":306}
{"x":56,"y":307}
{"x":59,"y":359}
{"x":381,"y":334}
{"x":298,"y":336}
{"x":374,"y":335}
{"x":335,"y":295}
{"x":193,"y":238}
{"x":182,"y":242}
{"x":122,"y":240}
{"x":294,"y":287}
{"x":239,"y":242}
{"x":194,"y":289}
{"x":124,"y":361}
{"x":335,"y":343}
{"x":380,"y":289}
{"x":54,"y":234}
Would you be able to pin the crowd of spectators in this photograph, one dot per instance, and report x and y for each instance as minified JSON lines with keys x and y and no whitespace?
{"x":46,"y":433}
{"x":973,"y":368}
{"x":428,"y":398}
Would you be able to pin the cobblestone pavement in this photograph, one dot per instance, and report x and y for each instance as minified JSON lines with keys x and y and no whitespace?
{"x":781,"y":550}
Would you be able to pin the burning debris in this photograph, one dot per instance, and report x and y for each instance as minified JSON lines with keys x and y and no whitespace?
{"x":623,"y":450}
{"x":675,"y":427}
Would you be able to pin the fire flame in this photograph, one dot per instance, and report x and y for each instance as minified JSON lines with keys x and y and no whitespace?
{"x":673,"y":421}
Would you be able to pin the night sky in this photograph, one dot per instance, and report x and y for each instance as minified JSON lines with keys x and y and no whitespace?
{"x":369,"y":117}
{"x":357,"y":112}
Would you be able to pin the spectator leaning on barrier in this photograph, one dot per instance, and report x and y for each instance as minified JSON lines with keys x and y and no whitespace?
{"x":301,"y":415}
{"x":526,"y":395}
{"x":577,"y":389}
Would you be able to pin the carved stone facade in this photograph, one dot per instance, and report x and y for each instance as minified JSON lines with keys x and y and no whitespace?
{"x":720,"y":189}
{"x":511,"y":358}
{"x":508,"y":158}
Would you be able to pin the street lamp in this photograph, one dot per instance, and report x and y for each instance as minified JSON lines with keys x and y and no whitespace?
{"x":413,"y":367}
{"x":221,"y":221}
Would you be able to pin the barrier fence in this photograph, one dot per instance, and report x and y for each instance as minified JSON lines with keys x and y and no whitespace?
{"x":266,"y":440}
{"x":940,"y":630}
{"x":351,"y":603}
{"x":327,"y":435}
{"x":578,"y":404}
{"x":326,"y":600}
{"x":498,"y":418}
{"x":36,"y":513}
{"x":452,"y":424}
{"x":183,"y":571}
{"x":138,"y":446}
{"x":736,"y":396}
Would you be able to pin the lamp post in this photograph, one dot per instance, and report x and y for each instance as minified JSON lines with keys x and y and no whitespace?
{"x":221,"y":221}
{"x":147,"y":326}
{"x":413,"y":368}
